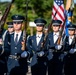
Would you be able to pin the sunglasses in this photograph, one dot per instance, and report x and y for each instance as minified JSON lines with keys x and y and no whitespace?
{"x":56,"y":25}
{"x":17,"y":22}
{"x":39,"y":25}
{"x":71,"y":29}
{"x":10,"y":27}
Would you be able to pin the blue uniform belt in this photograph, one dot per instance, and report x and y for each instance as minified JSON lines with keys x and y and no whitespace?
{"x":52,"y":50}
{"x":14,"y":57}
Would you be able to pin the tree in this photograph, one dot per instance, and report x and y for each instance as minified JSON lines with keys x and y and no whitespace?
{"x":36,"y":8}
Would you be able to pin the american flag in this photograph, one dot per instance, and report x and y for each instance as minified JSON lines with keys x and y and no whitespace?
{"x":58,"y":10}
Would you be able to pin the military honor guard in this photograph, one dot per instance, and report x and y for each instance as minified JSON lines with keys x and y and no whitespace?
{"x":37,"y":53}
{"x":70,"y":49}
{"x":17,"y":64}
{"x":54,"y":50}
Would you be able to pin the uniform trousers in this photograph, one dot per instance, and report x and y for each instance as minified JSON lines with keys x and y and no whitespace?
{"x":70,"y":64}
{"x":40,"y":68}
{"x":55,"y":66}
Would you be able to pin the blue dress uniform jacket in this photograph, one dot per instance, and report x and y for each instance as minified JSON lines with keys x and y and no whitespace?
{"x":70,"y":59}
{"x":54,"y":62}
{"x":16,"y":66}
{"x":3,"y":55}
{"x":38,"y":64}
{"x":3,"y":59}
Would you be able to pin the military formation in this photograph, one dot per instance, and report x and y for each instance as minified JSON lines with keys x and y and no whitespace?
{"x":46,"y":55}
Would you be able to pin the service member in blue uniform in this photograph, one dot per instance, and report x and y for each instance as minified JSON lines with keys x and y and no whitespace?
{"x":54,"y":50}
{"x":10,"y":27}
{"x":17,"y":65}
{"x":70,"y":49}
{"x":4,"y":48}
{"x":38,"y":61}
{"x":9,"y":31}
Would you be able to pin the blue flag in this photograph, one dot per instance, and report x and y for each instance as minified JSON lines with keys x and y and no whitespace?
{"x":69,"y":14}
{"x":68,"y":20}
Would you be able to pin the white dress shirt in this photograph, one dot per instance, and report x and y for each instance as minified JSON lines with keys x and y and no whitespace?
{"x":71,"y":39}
{"x":19,"y":34}
{"x":55,"y":35}
{"x":38,"y":38}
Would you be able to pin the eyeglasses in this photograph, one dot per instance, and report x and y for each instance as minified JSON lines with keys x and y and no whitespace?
{"x":17,"y":22}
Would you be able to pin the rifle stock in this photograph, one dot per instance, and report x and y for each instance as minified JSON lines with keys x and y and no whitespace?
{"x":24,"y":40}
{"x":59,"y":40}
{"x":60,"y":35}
{"x":61,"y":32}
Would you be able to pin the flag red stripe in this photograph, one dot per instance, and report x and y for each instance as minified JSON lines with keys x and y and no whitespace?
{"x":62,"y":9}
{"x":60,"y":15}
{"x":58,"y":12}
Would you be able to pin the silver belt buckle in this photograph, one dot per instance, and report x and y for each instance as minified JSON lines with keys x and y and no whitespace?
{"x":13,"y":57}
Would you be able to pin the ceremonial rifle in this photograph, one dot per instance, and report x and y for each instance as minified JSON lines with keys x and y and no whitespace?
{"x":4,"y":17}
{"x":25,"y":28}
{"x":46,"y":35}
{"x":2,"y":22}
{"x":60,"y":34}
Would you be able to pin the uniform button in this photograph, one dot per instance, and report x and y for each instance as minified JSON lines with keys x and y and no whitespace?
{"x":37,"y":48}
{"x":15,"y":47}
{"x":15,"y":53}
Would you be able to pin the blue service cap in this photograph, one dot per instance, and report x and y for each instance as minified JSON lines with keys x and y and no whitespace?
{"x":17,"y":18}
{"x":71,"y":27}
{"x":56,"y":22}
{"x":10,"y":24}
{"x":40,"y":22}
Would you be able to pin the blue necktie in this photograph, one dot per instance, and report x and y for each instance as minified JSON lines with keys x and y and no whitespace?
{"x":16,"y":39}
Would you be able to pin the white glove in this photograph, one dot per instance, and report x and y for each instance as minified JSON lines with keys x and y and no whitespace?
{"x":74,"y":50}
{"x":40,"y":54}
{"x":71,"y":51}
{"x":58,"y":47}
{"x":1,"y":41}
{"x":24,"y":54}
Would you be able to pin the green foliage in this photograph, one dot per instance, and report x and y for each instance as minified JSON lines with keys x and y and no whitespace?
{"x":36,"y":9}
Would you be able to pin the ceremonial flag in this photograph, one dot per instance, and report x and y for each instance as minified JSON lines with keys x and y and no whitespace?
{"x":68,"y":21}
{"x":58,"y":11}
{"x":69,"y":14}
